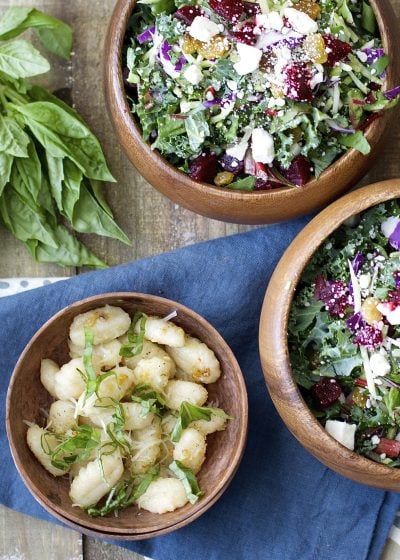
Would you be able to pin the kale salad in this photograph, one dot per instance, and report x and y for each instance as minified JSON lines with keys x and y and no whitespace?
{"x":255,"y":94}
{"x":344,"y":334}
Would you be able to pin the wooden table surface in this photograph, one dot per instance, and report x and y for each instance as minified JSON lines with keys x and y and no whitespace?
{"x":153,"y":223}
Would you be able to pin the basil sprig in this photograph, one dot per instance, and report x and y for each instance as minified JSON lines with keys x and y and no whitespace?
{"x":189,"y":412}
{"x":188,"y":480}
{"x":51,"y":164}
{"x":135,"y":340}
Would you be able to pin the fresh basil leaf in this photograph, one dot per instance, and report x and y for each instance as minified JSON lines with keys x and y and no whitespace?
{"x":188,"y":480}
{"x":97,"y":191}
{"x":6,"y":162}
{"x":356,"y":141}
{"x":188,"y":413}
{"x":55,"y":118}
{"x":13,"y":140}
{"x":55,"y":171}
{"x":54,"y":33}
{"x":10,"y":23}
{"x":89,"y":217}
{"x":22,"y":221}
{"x":149,"y":399}
{"x":77,"y":447}
{"x":89,"y":155}
{"x":19,"y":59}
{"x":71,"y":188}
{"x":70,"y":251}
{"x":37,"y":93}
{"x":26,"y":177}
{"x":135,"y":340}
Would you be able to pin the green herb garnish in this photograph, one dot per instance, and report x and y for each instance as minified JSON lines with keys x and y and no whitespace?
{"x":135,"y":340}
{"x":124,"y":494}
{"x":74,"y":448}
{"x":189,"y":412}
{"x":149,"y":399}
{"x":188,"y":480}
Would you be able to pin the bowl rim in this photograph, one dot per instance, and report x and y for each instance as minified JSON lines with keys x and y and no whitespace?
{"x":117,"y":98}
{"x":207,"y":501}
{"x":275,"y":354}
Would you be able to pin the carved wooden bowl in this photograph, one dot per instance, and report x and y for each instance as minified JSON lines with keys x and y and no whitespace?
{"x":259,"y":207}
{"x":274,"y":347}
{"x":26,"y":396}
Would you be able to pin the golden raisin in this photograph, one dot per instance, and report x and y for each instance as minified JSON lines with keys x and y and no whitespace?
{"x":359,"y":397}
{"x":190,"y":45}
{"x":217,"y":47}
{"x":369,"y":310}
{"x":309,"y":7}
{"x":314,"y":48}
{"x":224,"y":178}
{"x":277,"y":91}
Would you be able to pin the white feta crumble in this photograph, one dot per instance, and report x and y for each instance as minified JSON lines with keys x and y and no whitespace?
{"x":364,"y":281}
{"x":318,"y":78}
{"x":273,"y":20}
{"x":389,"y":225}
{"x":262,"y":146}
{"x":249,"y":59}
{"x":375,"y":440}
{"x":300,"y":21}
{"x":203,"y":29}
{"x":193,"y":74}
{"x":232,"y":85}
{"x":379,"y":365}
{"x":343,"y":433}
{"x":362,"y":56}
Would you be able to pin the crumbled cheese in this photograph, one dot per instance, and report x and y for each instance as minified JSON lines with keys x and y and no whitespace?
{"x":344,"y":433}
{"x":273,"y":20}
{"x":391,"y":313}
{"x":364,"y":281}
{"x":318,"y":78}
{"x":362,"y":56}
{"x":249,"y":59}
{"x":232,"y":85}
{"x":238,"y":151}
{"x":193,"y":74}
{"x":389,"y":225}
{"x":375,"y":440}
{"x":203,"y":29}
{"x":300,"y":21}
{"x":379,"y":365}
{"x":262,"y":145}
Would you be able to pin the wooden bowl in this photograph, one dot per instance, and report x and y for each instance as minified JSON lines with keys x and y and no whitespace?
{"x":26,"y":397}
{"x":260,"y":207}
{"x":274,"y":347}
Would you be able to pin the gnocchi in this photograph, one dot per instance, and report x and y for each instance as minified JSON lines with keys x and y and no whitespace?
{"x":129,"y":412}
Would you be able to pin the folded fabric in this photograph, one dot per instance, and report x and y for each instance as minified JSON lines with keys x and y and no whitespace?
{"x":282,"y":504}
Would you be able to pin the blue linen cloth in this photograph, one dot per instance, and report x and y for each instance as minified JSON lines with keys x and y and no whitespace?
{"x":282,"y":504}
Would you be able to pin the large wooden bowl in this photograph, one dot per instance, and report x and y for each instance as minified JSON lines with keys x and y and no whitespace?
{"x":260,"y":207}
{"x":26,"y":397}
{"x":274,"y":347}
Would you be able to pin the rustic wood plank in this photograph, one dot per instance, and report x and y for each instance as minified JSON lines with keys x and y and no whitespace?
{"x":99,"y":550}
{"x":25,"y":538}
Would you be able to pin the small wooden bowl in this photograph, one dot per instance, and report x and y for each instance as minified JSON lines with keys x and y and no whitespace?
{"x":274,"y":348}
{"x":259,"y":207}
{"x":26,"y":397}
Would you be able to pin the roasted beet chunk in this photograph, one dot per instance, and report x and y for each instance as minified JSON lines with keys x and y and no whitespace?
{"x":336,"y":50}
{"x":187,"y":13}
{"x":204,"y":168}
{"x":231,"y":10}
{"x":299,"y":172}
{"x":298,"y":78}
{"x":334,"y":294}
{"x":369,"y":336}
{"x":326,"y":392}
{"x":246,"y":33}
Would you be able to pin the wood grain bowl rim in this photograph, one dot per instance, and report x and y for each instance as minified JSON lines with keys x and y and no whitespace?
{"x":237,"y":453}
{"x":296,"y":201}
{"x":273,"y":345}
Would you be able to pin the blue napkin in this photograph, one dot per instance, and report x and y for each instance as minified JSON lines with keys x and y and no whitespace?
{"x":282,"y":504}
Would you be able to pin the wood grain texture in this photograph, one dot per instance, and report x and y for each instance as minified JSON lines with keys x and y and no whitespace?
{"x":273,"y":345}
{"x":153,"y":222}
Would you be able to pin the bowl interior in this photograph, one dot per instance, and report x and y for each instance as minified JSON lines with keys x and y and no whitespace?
{"x":274,"y":348}
{"x":26,"y":398}
{"x":221,"y":203}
